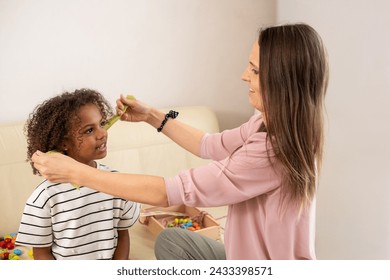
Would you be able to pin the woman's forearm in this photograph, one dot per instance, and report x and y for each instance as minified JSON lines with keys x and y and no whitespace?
{"x":182,"y":134}
{"x":59,"y":168}
{"x":139,"y":188}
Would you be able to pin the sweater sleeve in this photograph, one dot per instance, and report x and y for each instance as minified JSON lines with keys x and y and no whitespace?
{"x":246,"y":173}
{"x":218,"y":146}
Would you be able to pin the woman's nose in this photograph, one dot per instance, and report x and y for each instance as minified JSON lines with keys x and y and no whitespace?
{"x":245,"y":75}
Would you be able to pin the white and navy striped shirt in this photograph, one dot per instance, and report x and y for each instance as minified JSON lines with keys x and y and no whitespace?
{"x":76,"y":223}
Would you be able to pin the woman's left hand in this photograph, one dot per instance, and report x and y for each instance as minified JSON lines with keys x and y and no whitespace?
{"x":56,"y":167}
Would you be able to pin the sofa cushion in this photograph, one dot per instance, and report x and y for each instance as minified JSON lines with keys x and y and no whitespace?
{"x":132,"y":147}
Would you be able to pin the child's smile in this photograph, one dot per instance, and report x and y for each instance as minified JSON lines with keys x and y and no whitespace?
{"x":102,"y":147}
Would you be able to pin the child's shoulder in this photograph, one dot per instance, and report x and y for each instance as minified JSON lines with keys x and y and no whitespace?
{"x":50,"y":187}
{"x":45,"y":184}
{"x":44,"y":191}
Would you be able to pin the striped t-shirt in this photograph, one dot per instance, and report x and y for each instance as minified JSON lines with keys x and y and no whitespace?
{"x":76,"y":223}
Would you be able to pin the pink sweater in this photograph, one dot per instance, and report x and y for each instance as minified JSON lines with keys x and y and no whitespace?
{"x":242,"y":177}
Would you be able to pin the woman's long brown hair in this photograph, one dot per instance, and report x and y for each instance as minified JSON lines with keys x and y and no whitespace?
{"x":293,"y":82}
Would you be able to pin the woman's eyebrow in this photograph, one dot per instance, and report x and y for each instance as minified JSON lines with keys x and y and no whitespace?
{"x":252,"y":64}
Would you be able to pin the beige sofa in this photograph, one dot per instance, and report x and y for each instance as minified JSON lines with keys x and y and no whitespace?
{"x":133,"y":147}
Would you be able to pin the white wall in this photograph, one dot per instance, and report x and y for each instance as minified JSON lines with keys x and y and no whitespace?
{"x":166,"y":53}
{"x":354,"y":196}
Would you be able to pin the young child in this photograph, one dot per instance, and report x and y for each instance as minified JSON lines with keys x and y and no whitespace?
{"x":63,"y":222}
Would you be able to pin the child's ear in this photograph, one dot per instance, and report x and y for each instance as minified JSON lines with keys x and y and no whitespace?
{"x":64,"y":149}
{"x":64,"y":145}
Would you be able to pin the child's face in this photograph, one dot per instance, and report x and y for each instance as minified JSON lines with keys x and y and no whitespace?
{"x":87,"y":140}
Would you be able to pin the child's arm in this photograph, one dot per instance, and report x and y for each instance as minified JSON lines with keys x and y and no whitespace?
{"x":42,"y":253}
{"x":123,"y":248}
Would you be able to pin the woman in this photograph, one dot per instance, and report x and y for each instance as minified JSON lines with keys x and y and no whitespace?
{"x":265,"y":170}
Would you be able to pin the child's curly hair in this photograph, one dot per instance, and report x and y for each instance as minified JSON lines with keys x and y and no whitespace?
{"x":51,"y":121}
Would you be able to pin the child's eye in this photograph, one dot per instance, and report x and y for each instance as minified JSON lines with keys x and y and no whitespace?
{"x":256,"y":72}
{"x":89,"y":131}
{"x":103,"y":123}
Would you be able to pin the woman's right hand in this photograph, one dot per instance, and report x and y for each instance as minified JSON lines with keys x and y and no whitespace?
{"x":182,"y":134}
{"x":136,"y":111}
{"x":57,"y":167}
